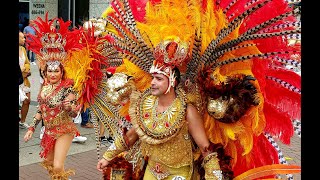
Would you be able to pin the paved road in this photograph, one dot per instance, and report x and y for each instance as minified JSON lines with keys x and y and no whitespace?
{"x":83,"y":157}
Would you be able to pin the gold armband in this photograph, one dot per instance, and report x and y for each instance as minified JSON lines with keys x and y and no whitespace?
{"x":211,"y":166}
{"x":118,"y":147}
{"x":34,"y":124}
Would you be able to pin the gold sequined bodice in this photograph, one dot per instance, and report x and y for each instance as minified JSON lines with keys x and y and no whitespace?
{"x":164,"y":137}
{"x":50,"y":104}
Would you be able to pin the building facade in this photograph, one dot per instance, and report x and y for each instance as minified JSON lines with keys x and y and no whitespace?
{"x":74,"y":10}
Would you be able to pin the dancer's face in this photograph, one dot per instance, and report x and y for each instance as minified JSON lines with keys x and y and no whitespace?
{"x":54,"y":75}
{"x":159,"y":84}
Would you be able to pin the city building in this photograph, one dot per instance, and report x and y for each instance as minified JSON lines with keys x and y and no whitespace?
{"x":76,"y":11}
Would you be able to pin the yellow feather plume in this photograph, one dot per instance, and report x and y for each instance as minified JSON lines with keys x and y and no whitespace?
{"x":106,"y":12}
{"x":142,"y":79}
{"x":77,"y":65}
{"x":212,"y":21}
{"x":109,"y":27}
{"x":171,"y":19}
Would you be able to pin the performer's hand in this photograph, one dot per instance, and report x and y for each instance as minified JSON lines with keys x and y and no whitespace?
{"x":66,"y":104}
{"x":102,"y":164}
{"x":28,"y":135}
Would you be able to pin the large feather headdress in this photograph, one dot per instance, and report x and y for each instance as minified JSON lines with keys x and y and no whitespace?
{"x":52,"y":45}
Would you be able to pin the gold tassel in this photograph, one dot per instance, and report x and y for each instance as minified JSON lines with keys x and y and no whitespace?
{"x":48,"y":166}
{"x":62,"y":175}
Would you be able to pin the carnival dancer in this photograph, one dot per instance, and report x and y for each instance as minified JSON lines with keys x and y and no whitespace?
{"x":57,"y":98}
{"x":167,"y":124}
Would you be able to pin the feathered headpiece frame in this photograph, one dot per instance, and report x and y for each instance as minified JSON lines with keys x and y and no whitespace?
{"x":51,"y":45}
{"x":169,"y":54}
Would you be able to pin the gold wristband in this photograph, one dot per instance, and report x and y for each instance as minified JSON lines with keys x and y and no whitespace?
{"x":211,"y":166}
{"x":34,"y":123}
{"x":120,"y":146}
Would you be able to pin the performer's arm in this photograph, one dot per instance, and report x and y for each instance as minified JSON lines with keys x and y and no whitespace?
{"x":70,"y":103}
{"x":36,"y":119}
{"x":210,"y":160}
{"x":196,"y":129}
{"x":121,"y":144}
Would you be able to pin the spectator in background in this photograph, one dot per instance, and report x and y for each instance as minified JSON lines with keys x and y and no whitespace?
{"x":25,"y":86}
{"x":22,"y":94}
{"x":85,"y":119}
{"x":104,"y":139}
{"x":84,"y":116}
{"x":30,"y":30}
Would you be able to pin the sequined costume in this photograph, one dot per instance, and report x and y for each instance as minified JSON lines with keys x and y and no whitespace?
{"x":56,"y":120}
{"x":165,"y":140}
{"x":58,"y":99}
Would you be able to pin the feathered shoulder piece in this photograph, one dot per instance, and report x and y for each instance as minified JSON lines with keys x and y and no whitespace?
{"x":239,"y":68}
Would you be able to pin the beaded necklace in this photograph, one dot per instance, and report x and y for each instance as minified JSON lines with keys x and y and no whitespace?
{"x":163,"y":118}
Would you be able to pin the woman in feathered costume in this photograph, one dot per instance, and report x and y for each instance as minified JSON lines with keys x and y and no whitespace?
{"x":57,"y":98}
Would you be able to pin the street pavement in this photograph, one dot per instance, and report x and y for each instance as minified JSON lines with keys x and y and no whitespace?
{"x":82,"y":157}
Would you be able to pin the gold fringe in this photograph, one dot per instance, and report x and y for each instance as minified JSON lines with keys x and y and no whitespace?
{"x":48,"y":166}
{"x":63,"y":175}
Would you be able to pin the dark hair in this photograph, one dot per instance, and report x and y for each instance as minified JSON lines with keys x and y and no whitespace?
{"x":176,"y":73}
{"x":41,"y":73}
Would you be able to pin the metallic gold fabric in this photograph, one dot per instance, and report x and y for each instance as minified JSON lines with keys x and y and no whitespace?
{"x":153,"y":128}
{"x":157,"y":171}
{"x":119,"y":146}
{"x":164,"y":137}
{"x":212,"y":167}
{"x":118,"y":88}
{"x":176,"y":152}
